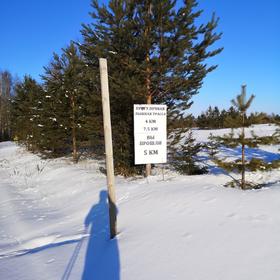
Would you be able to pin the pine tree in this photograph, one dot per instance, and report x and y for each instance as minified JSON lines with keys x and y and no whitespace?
{"x":231,"y":141}
{"x":6,"y":86}
{"x":185,"y":155}
{"x":55,"y":114}
{"x":26,"y":113}
{"x":67,"y":103}
{"x":232,"y":118}
{"x":156,"y":54}
{"x":215,"y":118}
{"x":242,"y":106}
{"x":212,"y":118}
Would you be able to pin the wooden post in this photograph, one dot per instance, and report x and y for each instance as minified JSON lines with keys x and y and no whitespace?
{"x":108,"y":146}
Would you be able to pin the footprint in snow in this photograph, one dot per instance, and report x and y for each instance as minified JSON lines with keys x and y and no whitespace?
{"x":208,"y":187}
{"x":232,"y":215}
{"x":50,"y":261}
{"x":126,"y":196}
{"x":187,"y":235}
{"x":257,"y":218}
{"x":210,"y":200}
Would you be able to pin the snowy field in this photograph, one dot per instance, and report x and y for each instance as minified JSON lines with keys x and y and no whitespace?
{"x":53,"y":222}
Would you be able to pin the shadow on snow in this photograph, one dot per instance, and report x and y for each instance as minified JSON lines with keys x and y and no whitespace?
{"x":236,"y":153}
{"x":250,"y":153}
{"x":102,"y":254}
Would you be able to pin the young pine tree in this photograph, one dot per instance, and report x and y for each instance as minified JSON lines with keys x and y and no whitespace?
{"x":185,"y":155}
{"x":242,"y":104}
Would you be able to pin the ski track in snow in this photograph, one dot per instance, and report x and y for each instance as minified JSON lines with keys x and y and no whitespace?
{"x":41,"y":243}
{"x":28,"y":220}
{"x":14,"y":225}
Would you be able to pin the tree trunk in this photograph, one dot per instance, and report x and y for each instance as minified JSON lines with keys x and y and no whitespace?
{"x":74,"y":141}
{"x":243,"y":167}
{"x":243,"y":153}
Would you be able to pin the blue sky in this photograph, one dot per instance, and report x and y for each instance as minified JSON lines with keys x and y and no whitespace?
{"x":32,"y":30}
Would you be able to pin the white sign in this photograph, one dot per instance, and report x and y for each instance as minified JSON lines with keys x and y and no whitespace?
{"x":150,"y":133}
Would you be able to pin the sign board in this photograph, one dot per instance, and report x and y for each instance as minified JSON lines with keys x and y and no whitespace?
{"x":150,"y":133}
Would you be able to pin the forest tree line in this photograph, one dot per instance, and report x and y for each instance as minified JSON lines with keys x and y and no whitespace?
{"x":157,"y":54}
{"x":214,"y":118}
{"x":6,"y":92}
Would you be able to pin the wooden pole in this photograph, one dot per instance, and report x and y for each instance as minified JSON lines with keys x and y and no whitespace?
{"x":108,"y":146}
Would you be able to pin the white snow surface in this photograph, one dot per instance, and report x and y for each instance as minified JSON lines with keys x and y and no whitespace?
{"x":54,"y":222}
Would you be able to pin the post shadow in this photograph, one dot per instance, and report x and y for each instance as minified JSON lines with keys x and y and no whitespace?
{"x":102,"y":260}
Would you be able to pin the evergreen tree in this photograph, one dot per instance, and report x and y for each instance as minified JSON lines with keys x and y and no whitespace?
{"x":201,"y":120}
{"x":185,"y":155}
{"x":26,"y":113}
{"x":242,"y":106}
{"x":277,"y":119}
{"x":230,"y":140}
{"x":214,"y":118}
{"x":232,"y":118}
{"x":67,"y":102}
{"x":259,"y":118}
{"x":6,"y":86}
{"x":156,"y":54}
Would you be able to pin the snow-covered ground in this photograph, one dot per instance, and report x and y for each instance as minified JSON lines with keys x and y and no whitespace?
{"x":54,"y":222}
